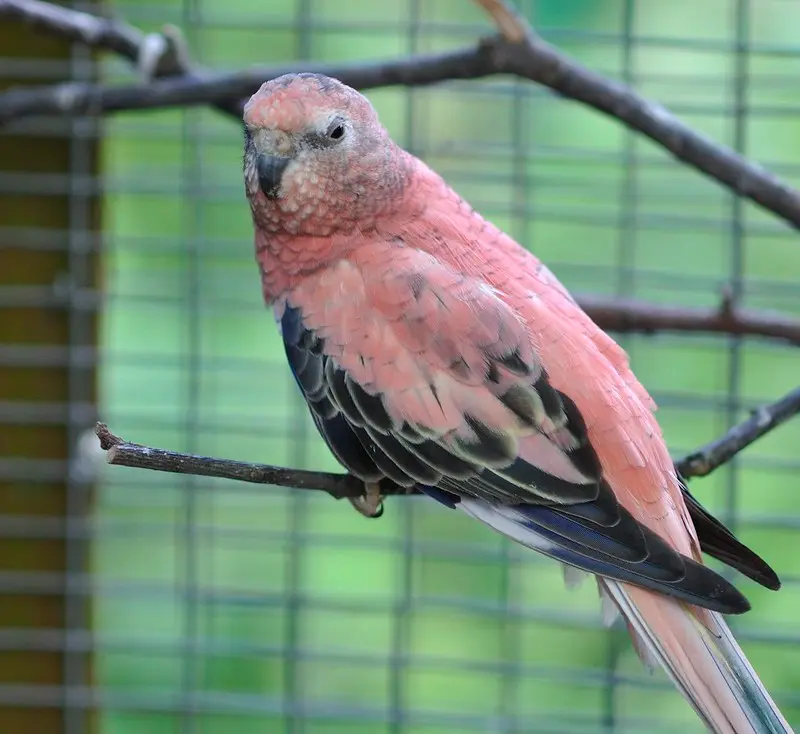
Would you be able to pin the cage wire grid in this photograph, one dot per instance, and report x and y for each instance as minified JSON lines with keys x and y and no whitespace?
{"x":216,"y":607}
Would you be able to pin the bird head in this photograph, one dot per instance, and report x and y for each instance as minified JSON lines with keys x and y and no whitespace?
{"x":317,"y":161}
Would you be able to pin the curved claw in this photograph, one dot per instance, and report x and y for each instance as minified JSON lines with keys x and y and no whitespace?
{"x":370,"y":504}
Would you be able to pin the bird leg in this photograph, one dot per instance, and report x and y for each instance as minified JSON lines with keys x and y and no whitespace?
{"x":370,"y":504}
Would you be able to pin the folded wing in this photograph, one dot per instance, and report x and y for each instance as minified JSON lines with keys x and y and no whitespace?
{"x":430,"y":379}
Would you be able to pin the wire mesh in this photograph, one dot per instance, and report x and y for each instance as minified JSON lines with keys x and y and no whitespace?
{"x":217,"y":607}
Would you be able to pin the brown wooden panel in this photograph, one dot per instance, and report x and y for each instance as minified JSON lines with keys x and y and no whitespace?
{"x":31,"y":562}
{"x":38,"y":384}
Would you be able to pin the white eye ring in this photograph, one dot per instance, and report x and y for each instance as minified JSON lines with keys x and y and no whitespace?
{"x":336,"y":130}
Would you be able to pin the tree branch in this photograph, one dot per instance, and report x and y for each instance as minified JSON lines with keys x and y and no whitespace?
{"x":529,"y":57}
{"x":633,"y":316}
{"x":155,"y":55}
{"x":92,"y":30}
{"x":713,"y":455}
{"x":339,"y":486}
{"x":206,"y":87}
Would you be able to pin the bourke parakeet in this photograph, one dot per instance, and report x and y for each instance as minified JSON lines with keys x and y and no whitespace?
{"x":435,"y":352}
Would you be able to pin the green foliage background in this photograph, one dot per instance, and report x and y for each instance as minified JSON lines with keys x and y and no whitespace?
{"x":269,"y":612}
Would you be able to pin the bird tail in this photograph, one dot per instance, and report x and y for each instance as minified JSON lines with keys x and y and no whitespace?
{"x":709,"y":668}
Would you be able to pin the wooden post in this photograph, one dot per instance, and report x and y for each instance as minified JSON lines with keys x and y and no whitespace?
{"x":47,"y":396}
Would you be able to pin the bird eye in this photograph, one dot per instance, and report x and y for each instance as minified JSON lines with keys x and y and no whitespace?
{"x":336,"y":130}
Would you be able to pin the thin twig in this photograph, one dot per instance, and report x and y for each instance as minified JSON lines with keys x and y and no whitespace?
{"x":93,"y":30}
{"x":124,"y":453}
{"x":633,"y":316}
{"x":155,"y":55}
{"x":214,"y":88}
{"x":713,"y":455}
{"x":532,"y":58}
{"x":512,"y":26}
{"x":697,"y":464}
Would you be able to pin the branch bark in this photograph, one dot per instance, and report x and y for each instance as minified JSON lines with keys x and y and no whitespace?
{"x":697,"y":464}
{"x":529,"y":57}
{"x":338,"y":486}
{"x":713,"y":455}
{"x":93,"y":30}
{"x":229,"y":90}
{"x":155,"y":55}
{"x":633,"y":316}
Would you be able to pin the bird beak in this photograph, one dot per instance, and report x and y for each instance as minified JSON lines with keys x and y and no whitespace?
{"x":270,"y":169}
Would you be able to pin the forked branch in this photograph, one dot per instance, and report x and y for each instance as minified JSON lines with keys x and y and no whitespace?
{"x":516,"y":51}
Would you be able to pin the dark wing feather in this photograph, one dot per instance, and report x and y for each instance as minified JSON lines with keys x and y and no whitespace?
{"x":580,"y":523}
{"x":687,"y":580}
{"x":719,"y":542}
{"x":307,"y":362}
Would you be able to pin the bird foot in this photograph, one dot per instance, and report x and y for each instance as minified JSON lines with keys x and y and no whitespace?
{"x":370,"y":504}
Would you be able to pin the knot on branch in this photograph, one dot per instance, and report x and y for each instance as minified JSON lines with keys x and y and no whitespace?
{"x":163,"y":54}
{"x":107,"y":439}
{"x":727,"y":308}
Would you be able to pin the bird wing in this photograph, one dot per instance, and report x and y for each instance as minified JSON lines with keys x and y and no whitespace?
{"x":416,"y":372}
{"x":587,"y":365}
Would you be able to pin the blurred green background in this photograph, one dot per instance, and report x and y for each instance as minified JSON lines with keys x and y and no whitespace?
{"x":224,"y":608}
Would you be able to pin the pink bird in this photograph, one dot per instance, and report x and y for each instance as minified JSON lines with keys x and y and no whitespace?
{"x":434,"y":351}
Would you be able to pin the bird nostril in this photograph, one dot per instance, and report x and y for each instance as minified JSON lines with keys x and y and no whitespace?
{"x":270,"y":170}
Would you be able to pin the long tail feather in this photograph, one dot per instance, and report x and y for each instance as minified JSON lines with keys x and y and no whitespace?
{"x":709,"y":669}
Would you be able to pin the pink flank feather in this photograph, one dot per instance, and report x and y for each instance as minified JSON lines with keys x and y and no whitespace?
{"x":434,"y":350}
